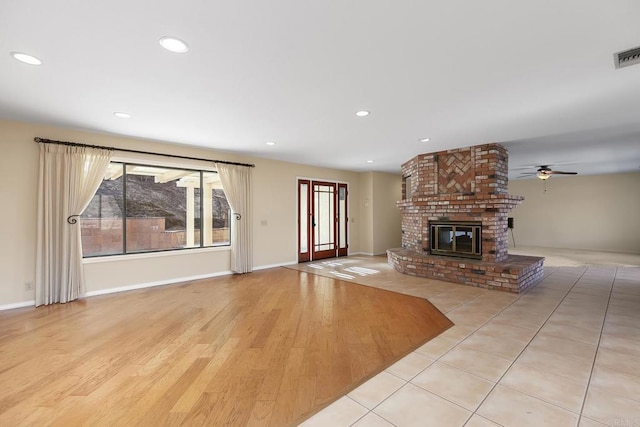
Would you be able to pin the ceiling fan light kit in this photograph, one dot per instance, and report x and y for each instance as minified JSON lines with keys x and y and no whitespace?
{"x":544,"y":172}
{"x":543,"y":175}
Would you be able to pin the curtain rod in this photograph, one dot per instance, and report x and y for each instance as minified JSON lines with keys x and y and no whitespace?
{"x":175,"y":156}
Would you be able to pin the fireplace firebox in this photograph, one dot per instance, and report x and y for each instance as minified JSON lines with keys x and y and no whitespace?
{"x":456,"y":238}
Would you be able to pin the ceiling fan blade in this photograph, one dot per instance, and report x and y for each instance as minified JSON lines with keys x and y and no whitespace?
{"x":517,"y":168}
{"x":562,"y":173}
{"x":528,"y":173}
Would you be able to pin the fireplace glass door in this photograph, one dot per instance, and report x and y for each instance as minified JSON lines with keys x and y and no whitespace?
{"x":456,"y":239}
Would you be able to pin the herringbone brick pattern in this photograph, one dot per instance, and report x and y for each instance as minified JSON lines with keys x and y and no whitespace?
{"x":455,"y":173}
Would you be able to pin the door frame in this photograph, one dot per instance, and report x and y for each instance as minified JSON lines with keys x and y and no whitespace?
{"x":338,"y":251}
{"x":342,"y":251}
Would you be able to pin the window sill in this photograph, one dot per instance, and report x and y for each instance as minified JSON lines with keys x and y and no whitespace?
{"x":144,"y":255}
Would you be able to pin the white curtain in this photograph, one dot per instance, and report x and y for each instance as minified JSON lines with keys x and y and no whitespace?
{"x":69,"y":177}
{"x":236,"y":183}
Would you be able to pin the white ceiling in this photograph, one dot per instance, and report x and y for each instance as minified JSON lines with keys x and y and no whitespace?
{"x":536,"y":76}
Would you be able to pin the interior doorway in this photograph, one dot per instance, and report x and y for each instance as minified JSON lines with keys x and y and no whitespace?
{"x":322,"y":219}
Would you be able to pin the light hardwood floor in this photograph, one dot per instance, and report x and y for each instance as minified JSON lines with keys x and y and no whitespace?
{"x":268,"y":348}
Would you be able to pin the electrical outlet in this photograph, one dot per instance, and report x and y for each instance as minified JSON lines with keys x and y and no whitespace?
{"x":28,"y":285}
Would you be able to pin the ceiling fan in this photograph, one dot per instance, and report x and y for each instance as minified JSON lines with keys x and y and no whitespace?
{"x":544,"y":172}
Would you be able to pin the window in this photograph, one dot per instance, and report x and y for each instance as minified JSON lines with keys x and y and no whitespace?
{"x":165,"y":209}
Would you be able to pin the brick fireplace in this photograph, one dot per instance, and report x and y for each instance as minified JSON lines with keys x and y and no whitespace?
{"x":454,"y":220}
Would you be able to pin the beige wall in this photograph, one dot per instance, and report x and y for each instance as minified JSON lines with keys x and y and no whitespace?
{"x":387,"y":219}
{"x":597,"y":212}
{"x":379,"y":193}
{"x":365,"y":206}
{"x":18,"y":185}
{"x":103,"y":274}
{"x":274,"y":215}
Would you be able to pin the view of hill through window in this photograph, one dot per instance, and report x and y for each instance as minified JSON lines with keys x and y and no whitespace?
{"x":164,"y":211}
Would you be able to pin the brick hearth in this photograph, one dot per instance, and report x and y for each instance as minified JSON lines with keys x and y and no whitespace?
{"x":465,"y":184}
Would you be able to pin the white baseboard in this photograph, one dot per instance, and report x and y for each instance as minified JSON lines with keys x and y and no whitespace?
{"x":32,"y":303}
{"x":153,"y":284}
{"x":283,"y":264}
{"x":177,"y":280}
{"x":21,"y":304}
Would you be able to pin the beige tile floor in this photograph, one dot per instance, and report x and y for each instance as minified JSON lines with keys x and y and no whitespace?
{"x":566,"y":353}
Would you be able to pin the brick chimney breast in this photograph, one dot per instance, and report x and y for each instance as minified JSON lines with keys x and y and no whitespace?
{"x":460,"y":185}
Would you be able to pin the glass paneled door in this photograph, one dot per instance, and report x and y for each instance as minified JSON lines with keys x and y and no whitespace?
{"x":342,"y":219}
{"x":322,"y":220}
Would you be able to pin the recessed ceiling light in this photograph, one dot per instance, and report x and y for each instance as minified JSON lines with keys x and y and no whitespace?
{"x":271,"y":143}
{"x":27,"y":59}
{"x":369,"y":161}
{"x":173,"y":44}
{"x":425,"y":139}
{"x":362,"y":113}
{"x":122,"y":115}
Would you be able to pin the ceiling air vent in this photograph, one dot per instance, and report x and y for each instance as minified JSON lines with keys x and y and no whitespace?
{"x":627,"y":57}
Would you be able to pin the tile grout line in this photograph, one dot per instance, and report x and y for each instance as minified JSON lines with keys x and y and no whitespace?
{"x":434,"y":360}
{"x":369,"y":411}
{"x":474,"y":331}
{"x":572,"y":291}
{"x":595,"y":356}
{"x":359,"y":404}
{"x":541,"y":399}
{"x":526,"y":346}
{"x":406,"y":381}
